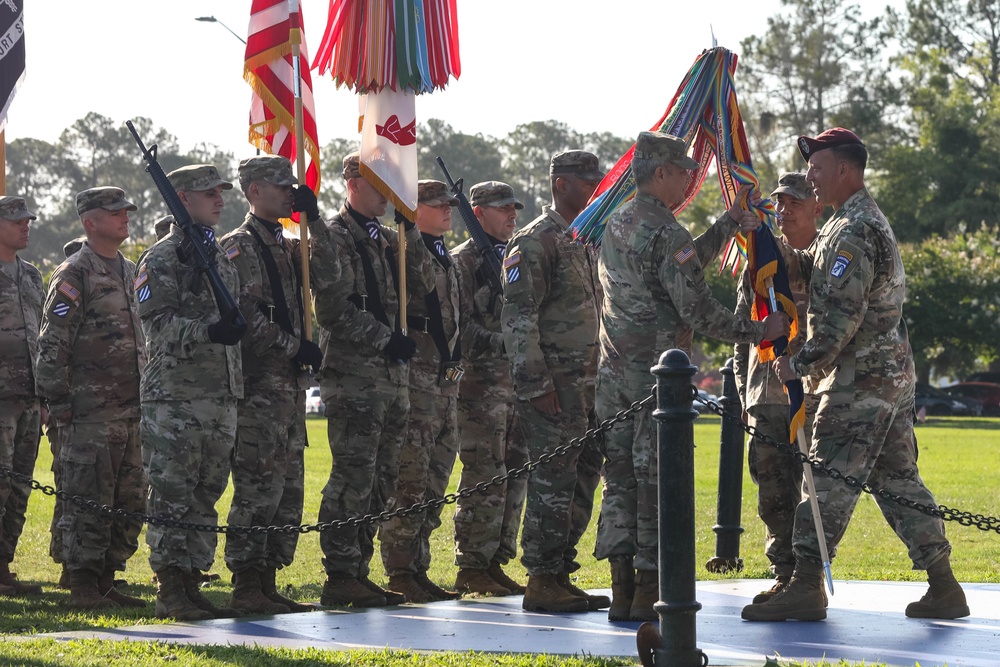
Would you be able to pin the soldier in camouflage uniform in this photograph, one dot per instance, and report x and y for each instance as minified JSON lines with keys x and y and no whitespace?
{"x":364,"y":377}
{"x":655,"y":296}
{"x":431,"y":443}
{"x":268,"y":472}
{"x":162,"y":226}
{"x":21,"y":295}
{"x":188,"y":395}
{"x":91,"y":354}
{"x":777,"y":473}
{"x":858,"y":352}
{"x":487,"y":524}
{"x":550,"y":323}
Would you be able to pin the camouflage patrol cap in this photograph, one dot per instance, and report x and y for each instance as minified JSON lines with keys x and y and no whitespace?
{"x":274,"y":169}
{"x":493,"y":193}
{"x":73,"y":247}
{"x":162,"y":226}
{"x":435,"y":193}
{"x":794,"y":183}
{"x":663,"y":146}
{"x":108,"y":198}
{"x":582,"y":164}
{"x":197,"y":178}
{"x":837,"y":136}
{"x":352,"y":165}
{"x":15,"y":208}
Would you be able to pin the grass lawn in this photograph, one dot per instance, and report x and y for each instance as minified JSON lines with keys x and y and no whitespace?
{"x":956,"y":457}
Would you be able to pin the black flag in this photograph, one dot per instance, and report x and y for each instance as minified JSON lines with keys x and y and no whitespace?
{"x":11,"y":52}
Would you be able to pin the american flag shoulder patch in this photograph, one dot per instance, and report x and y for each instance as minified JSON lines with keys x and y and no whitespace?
{"x":60,"y":309}
{"x":140,"y":280}
{"x":512,"y":260}
{"x":684,"y":254}
{"x":233,"y":252}
{"x":70,"y":291}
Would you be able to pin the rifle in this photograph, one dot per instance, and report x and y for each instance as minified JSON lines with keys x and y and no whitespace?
{"x":202,"y":254}
{"x":479,"y":237}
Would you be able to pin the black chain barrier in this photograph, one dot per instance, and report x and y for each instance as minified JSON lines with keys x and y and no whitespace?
{"x":982,"y":522}
{"x":433,"y":503}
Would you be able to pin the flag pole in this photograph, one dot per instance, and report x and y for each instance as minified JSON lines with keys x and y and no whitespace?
{"x":401,"y":232}
{"x":295,"y":36}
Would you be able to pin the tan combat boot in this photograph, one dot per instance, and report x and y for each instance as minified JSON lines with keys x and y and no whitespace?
{"x":545,"y":594}
{"x":945,"y":597}
{"x":780,"y":581}
{"x":248,"y":596}
{"x":647,"y":593}
{"x":408,"y":586}
{"x":622,"y":589}
{"x":480,"y":582}
{"x":192,"y":588}
{"x":392,"y":598}
{"x":172,"y":601}
{"x":803,"y":599}
{"x":339,"y":591}
{"x":83,"y":593}
{"x":9,"y":580}
{"x":106,"y":587}
{"x":594,"y":602}
{"x":498,"y":575}
{"x":269,"y":588}
{"x":439,"y":593}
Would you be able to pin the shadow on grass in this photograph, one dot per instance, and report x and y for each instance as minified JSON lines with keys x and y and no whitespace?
{"x":962,"y":423}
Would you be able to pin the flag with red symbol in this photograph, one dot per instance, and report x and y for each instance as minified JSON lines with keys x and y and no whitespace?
{"x":389,"y":147}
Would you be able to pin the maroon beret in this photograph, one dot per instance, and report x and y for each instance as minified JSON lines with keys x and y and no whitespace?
{"x":838,"y":136}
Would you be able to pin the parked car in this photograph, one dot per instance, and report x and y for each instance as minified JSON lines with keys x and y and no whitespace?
{"x":985,"y":376}
{"x":314,"y":404}
{"x":940,"y":403}
{"x":987,"y":393}
{"x":701,"y":407}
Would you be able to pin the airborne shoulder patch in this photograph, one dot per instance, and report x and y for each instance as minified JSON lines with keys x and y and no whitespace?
{"x":684,"y":255}
{"x":840,"y":264}
{"x":67,"y":289}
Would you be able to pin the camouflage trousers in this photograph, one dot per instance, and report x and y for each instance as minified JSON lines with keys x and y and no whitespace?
{"x":268,"y":478}
{"x":869,"y":436}
{"x":778,"y":476}
{"x":487,"y":524}
{"x":186,"y":446}
{"x":560,"y":496}
{"x":425,"y":466}
{"x":100,"y":461}
{"x":366,"y":424}
{"x":20,"y":433}
{"x":55,"y":534}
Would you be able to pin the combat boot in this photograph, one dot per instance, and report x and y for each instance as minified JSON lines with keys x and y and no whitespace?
{"x":498,"y":575}
{"x":594,"y":602}
{"x":270,"y":590}
{"x":545,"y":594}
{"x":248,"y":596}
{"x":106,"y":587}
{"x":439,"y":593}
{"x":945,"y":597}
{"x":407,"y":585}
{"x":63,"y":579}
{"x":83,"y":593}
{"x":392,"y":598}
{"x":172,"y":601}
{"x":803,"y":599}
{"x":9,"y":579}
{"x":647,"y":593}
{"x":343,"y":591}
{"x":192,"y":589}
{"x":622,"y":589}
{"x":479,"y":581}
{"x":780,"y":582}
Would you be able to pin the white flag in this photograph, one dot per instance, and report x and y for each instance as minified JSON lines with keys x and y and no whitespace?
{"x":389,"y":147}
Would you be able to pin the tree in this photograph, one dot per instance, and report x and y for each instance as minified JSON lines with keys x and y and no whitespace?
{"x":527,"y":151}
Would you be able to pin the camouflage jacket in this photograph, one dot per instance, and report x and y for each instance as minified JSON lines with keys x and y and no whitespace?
{"x":757,"y":382}
{"x":487,"y":369}
{"x":550,"y":315}
{"x":183,"y":363}
{"x":655,"y":295}
{"x":425,"y":367}
{"x":267,"y":349}
{"x":21,"y":300}
{"x":353,"y":338}
{"x":857,"y":335}
{"x":91,"y":351}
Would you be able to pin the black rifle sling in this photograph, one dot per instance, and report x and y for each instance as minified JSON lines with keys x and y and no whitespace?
{"x":435,"y":327}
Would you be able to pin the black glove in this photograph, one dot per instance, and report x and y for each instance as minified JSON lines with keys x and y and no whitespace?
{"x":400,"y":348}
{"x":309,"y":354}
{"x":227,"y":331}
{"x":304,"y":201}
{"x":400,"y":218}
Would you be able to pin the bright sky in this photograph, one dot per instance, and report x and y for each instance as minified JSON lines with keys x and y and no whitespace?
{"x":596,"y":66}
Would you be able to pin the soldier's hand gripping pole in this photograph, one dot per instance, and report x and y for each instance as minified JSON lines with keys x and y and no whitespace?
{"x":204,"y":260}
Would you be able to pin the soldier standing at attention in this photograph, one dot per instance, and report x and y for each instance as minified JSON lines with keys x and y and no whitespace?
{"x":91,"y":354}
{"x":777,"y":473}
{"x":21,"y":412}
{"x":655,"y":297}
{"x":431,"y":443}
{"x":188,"y":395}
{"x":268,"y":472}
{"x":365,"y":375}
{"x":858,"y":352}
{"x":487,"y":524}
{"x":550,"y":322}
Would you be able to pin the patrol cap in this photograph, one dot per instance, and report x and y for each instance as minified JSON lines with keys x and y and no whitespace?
{"x":582,"y":164}
{"x":663,"y":146}
{"x":274,"y":169}
{"x":196,"y":178}
{"x":435,"y":193}
{"x":352,"y":165}
{"x":108,"y":198}
{"x":15,"y":208}
{"x":493,"y":193}
{"x":73,"y":247}
{"x":794,"y":183}
{"x":837,"y":136}
{"x":162,"y":226}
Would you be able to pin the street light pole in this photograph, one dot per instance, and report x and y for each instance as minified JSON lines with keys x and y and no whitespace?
{"x":212,"y":19}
